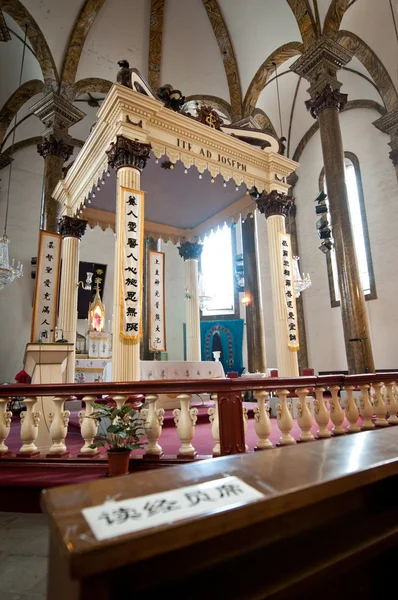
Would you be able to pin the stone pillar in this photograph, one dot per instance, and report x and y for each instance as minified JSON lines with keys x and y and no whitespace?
{"x":275,"y":206}
{"x":389,"y":124}
{"x":291,"y":228}
{"x":58,"y":115}
{"x":255,"y":333}
{"x":72,"y":231}
{"x":128,"y":157}
{"x":319,"y":66}
{"x":190,"y":252}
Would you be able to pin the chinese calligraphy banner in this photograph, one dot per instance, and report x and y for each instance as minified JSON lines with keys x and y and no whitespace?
{"x":132,"y":241}
{"x":45,"y":304}
{"x":135,"y":514}
{"x":290,"y":295}
{"x":157,"y":322}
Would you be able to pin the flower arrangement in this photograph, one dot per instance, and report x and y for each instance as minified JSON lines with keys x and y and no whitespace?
{"x":120,"y":429}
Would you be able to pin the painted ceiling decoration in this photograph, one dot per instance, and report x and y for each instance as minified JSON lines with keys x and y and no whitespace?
{"x":306,"y":20}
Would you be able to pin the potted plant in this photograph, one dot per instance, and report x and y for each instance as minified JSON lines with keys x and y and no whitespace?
{"x":120,"y":431}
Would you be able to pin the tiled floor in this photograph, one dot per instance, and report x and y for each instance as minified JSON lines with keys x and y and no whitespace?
{"x":23,"y":556}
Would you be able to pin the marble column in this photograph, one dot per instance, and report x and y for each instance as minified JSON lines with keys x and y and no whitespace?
{"x":255,"y":334}
{"x":291,"y":228}
{"x":389,"y":124}
{"x":276,"y":206}
{"x":72,"y":230}
{"x":191,"y":252}
{"x":319,"y":66}
{"x":128,"y":157}
{"x":58,"y":115}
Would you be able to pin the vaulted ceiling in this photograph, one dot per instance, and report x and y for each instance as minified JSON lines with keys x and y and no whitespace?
{"x":217,"y":51}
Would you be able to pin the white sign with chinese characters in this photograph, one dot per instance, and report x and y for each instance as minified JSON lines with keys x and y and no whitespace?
{"x":45,"y":304}
{"x":112,"y":519}
{"x":290,"y":295}
{"x":132,"y":232}
{"x":156,"y":280}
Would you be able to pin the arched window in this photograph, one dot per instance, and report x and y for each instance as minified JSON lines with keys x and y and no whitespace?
{"x":217,"y":274}
{"x":360,"y":233}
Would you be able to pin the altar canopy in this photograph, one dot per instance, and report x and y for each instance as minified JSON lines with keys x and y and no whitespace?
{"x":203,"y":180}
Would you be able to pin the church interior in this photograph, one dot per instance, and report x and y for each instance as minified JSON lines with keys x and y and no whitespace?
{"x":197,"y":279}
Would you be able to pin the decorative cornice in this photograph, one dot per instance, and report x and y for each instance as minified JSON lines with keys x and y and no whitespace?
{"x":57,"y":114}
{"x":388,"y":123}
{"x":190,"y":250}
{"x":275,"y":203}
{"x":320,"y":63}
{"x":329,"y":97}
{"x":55,"y":147}
{"x":71,"y":227}
{"x":128,"y":153}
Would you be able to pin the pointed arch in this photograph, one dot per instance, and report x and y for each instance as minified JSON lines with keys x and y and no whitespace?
{"x":91,"y":84}
{"x":335,"y":15}
{"x":155,"y":43}
{"x":214,"y":101}
{"x":279,"y":56}
{"x":228,"y":55}
{"x":78,"y":36}
{"x":16,"y":101}
{"x":16,"y":10}
{"x":263,"y":121}
{"x":305,"y":20}
{"x":372,"y":64}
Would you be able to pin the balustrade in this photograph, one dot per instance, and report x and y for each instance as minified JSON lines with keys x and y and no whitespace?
{"x":370,"y":401}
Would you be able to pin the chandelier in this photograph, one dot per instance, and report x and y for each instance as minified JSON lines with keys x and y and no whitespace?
{"x":301,"y":283}
{"x":8,"y":272}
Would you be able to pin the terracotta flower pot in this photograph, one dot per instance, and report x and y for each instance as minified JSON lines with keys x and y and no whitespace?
{"x":118,"y":463}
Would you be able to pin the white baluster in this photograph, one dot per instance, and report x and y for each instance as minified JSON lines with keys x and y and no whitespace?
{"x":245,"y":420}
{"x":322,"y":416}
{"x":215,"y":424}
{"x":336,"y":412}
{"x":304,"y":417}
{"x":153,"y":417}
{"x":366,"y":408}
{"x":185,"y":419}
{"x":120,"y":400}
{"x":88,"y":427}
{"x":262,"y":424}
{"x":379,"y":406}
{"x":59,"y":420}
{"x":392,"y":403}
{"x":29,"y":428}
{"x":284,"y":419}
{"x":5,"y":424}
{"x":351,"y":410}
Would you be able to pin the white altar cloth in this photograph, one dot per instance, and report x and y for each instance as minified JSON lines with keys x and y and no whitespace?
{"x":173,"y":369}
{"x":88,"y":370}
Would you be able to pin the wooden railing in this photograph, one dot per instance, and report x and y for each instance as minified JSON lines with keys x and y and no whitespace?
{"x":370,"y":400}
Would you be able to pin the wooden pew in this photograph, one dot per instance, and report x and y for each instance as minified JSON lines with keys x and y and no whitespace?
{"x":326,"y":526}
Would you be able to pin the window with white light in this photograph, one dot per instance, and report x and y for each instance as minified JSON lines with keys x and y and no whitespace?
{"x":360,"y":234}
{"x":216,"y":282}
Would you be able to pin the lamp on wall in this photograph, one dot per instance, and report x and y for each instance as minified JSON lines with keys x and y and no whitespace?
{"x":87,"y":285}
{"x":301,"y":283}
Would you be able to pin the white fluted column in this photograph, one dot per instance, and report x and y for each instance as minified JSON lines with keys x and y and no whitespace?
{"x":129,"y":157}
{"x":72,"y":231}
{"x":191,"y":252}
{"x":275,"y":207}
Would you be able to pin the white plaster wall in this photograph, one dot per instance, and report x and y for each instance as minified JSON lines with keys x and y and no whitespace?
{"x":323,"y":323}
{"x":23,"y":227}
{"x":175,"y":301}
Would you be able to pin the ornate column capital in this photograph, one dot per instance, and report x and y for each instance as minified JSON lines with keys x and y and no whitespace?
{"x":275,"y":203}
{"x":128,"y":153}
{"x":71,"y":227}
{"x":56,"y":147}
{"x":57,"y":114}
{"x":329,"y":97}
{"x":189,"y":250}
{"x":388,"y":123}
{"x":320,"y":63}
